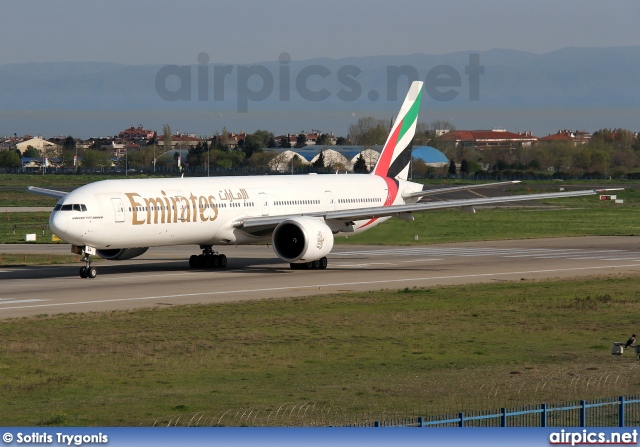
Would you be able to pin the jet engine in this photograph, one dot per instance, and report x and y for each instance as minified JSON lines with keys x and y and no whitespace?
{"x":119,"y":254}
{"x":302,"y":239}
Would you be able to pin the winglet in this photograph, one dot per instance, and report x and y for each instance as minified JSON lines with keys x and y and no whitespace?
{"x":47,"y":192}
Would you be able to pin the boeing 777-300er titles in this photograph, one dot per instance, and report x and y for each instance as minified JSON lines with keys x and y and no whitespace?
{"x":299,"y":215}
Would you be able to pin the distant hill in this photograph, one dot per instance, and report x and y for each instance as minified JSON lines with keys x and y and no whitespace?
{"x":571,"y":80}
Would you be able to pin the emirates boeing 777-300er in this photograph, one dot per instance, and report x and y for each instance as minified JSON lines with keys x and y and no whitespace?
{"x":298,"y":215}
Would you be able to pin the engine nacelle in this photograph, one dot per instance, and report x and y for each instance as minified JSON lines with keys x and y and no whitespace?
{"x":302,"y":239}
{"x":119,"y":254}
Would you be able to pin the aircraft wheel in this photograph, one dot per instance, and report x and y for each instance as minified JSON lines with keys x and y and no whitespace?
{"x":92,"y":272}
{"x":208,"y":261}
{"x":294,"y":266}
{"x":193,"y":261}
{"x":315,"y":265}
{"x":322,"y":263}
{"x":223,"y":261}
{"x":215,"y":261}
{"x":83,"y":272}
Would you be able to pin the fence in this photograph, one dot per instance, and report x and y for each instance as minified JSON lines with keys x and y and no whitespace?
{"x":607,"y":412}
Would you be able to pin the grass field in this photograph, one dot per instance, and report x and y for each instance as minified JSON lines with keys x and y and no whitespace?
{"x":323,"y":360}
{"x":14,"y":227}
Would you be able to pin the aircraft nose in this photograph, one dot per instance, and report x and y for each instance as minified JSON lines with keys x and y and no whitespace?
{"x":59,"y":223}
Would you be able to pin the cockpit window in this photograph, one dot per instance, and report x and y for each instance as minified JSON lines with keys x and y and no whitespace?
{"x":70,"y":207}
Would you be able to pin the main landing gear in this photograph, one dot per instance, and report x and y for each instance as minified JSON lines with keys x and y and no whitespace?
{"x":209,"y":259}
{"x":315,"y":265}
{"x":87,"y":271}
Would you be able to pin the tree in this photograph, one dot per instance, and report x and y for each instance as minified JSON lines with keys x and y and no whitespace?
{"x":32,"y":152}
{"x":452,"y":168}
{"x":301,"y":140}
{"x":368,"y":131}
{"x":323,"y":140}
{"x":168,"y":139}
{"x":196,"y":154}
{"x":360,"y":166}
{"x":319,"y":163}
{"x":464,"y":166}
{"x":67,"y":157}
{"x":253,"y":144}
{"x":69,"y":144}
{"x":93,"y":159}
{"x":10,"y":159}
{"x":267,"y":139}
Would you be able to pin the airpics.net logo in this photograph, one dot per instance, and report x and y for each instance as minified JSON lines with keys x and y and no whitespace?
{"x":312,"y":82}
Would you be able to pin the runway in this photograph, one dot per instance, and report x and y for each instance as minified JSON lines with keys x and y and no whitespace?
{"x":161,"y":277}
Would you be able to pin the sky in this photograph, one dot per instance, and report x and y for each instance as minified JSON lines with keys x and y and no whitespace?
{"x":245,"y":31}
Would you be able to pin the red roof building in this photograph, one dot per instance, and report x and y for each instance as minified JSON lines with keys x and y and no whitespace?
{"x":577,"y":138}
{"x":487,"y":139}
{"x":137,"y":133}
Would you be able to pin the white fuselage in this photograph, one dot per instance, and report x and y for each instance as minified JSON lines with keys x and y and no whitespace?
{"x":202,"y":211}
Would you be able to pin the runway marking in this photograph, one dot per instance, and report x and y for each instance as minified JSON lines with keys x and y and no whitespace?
{"x":16,"y":300}
{"x":324,"y":286}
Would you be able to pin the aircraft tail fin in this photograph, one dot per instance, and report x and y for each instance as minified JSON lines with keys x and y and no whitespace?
{"x":396,"y":153}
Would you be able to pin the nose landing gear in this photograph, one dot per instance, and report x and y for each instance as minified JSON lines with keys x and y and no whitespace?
{"x":87,"y":271}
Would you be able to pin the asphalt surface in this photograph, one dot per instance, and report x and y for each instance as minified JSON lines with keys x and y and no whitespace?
{"x":161,"y":277}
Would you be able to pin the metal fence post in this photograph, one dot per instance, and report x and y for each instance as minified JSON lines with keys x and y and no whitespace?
{"x":621,"y":411}
{"x":420,"y":421}
{"x":543,"y":415}
{"x":461,"y":423}
{"x":583,"y":413}
{"x":376,"y":424}
{"x":503,"y":419}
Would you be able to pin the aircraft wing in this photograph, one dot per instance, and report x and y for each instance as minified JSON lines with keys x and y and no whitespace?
{"x":250,"y":223}
{"x":47,"y":192}
{"x":431,"y":192}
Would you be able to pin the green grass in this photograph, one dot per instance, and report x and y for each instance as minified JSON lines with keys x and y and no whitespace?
{"x":579,"y":216}
{"x":25,"y":223}
{"x":323,"y":360}
{"x":25,"y":198}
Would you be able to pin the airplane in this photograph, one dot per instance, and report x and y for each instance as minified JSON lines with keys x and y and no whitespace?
{"x":299,"y":215}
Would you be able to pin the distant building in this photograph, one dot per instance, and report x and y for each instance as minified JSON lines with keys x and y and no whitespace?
{"x":183,"y":141}
{"x":137,"y":133}
{"x":488,"y":139}
{"x":344,"y":157}
{"x":431,"y":156}
{"x":577,"y":138}
{"x":37,"y":143}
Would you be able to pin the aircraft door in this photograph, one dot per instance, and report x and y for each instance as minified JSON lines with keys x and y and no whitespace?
{"x":330,"y":200}
{"x":264,"y":204}
{"x":118,"y":208}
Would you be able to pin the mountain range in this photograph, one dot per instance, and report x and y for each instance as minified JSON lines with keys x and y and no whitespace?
{"x":581,"y":88}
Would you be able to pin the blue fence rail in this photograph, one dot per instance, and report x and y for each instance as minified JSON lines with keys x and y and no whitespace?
{"x":623,"y":411}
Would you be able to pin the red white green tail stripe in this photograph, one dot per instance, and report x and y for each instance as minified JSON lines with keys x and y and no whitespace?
{"x":396,"y":154}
